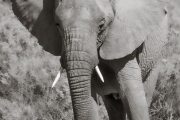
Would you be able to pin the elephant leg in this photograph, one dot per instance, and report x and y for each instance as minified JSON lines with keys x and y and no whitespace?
{"x":114,"y":108}
{"x":150,"y":84}
{"x":132,"y":91}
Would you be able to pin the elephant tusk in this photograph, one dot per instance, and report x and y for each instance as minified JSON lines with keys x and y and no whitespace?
{"x":57,"y":77}
{"x":99,"y":73}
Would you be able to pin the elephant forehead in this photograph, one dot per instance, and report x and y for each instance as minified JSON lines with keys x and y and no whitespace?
{"x":75,"y":10}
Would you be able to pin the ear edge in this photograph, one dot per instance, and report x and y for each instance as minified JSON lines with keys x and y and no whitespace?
{"x":33,"y":16}
{"x":48,"y":34}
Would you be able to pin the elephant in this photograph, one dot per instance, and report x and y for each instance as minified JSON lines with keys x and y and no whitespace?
{"x":122,"y":39}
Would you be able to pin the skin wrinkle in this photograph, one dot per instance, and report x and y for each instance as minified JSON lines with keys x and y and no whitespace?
{"x":80,"y":85}
{"x":80,"y":68}
{"x":78,"y":100}
{"x":79,"y":29}
{"x":76,"y":72}
{"x":74,"y":58}
{"x":149,"y":54}
{"x":80,"y":91}
{"x":77,"y":75}
{"x":81,"y":61}
{"x":75,"y":47}
{"x":79,"y":78}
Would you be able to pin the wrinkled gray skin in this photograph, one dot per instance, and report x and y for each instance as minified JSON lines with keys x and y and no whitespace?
{"x":123,"y":37}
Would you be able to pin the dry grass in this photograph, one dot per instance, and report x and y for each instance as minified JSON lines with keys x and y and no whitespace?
{"x":166,"y":99}
{"x":26,"y":74}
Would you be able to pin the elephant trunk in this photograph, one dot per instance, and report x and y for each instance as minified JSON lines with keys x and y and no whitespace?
{"x":79,"y":60}
{"x":80,"y":87}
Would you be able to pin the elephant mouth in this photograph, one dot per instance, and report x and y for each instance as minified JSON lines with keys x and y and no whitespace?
{"x":58,"y":76}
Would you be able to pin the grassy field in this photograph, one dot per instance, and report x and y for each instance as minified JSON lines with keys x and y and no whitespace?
{"x":27,"y":72}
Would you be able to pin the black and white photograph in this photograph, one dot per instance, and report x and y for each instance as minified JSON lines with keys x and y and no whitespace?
{"x":89,"y":59}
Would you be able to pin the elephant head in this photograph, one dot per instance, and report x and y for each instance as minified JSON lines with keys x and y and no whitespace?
{"x":82,"y":31}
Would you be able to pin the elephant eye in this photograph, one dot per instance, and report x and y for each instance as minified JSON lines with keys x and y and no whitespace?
{"x":101,"y":25}
{"x":57,"y":24}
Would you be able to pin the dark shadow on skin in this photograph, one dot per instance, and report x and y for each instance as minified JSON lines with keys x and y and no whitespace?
{"x":121,"y":62}
{"x":110,"y":64}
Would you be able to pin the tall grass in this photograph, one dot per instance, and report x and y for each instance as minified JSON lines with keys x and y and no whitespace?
{"x":166,"y":99}
{"x":26,"y":75}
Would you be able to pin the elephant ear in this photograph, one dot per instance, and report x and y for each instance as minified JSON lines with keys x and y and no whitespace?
{"x":134,"y":21}
{"x":38,"y":17}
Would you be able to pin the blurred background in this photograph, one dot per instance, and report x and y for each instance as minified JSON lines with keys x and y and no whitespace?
{"x":27,"y":73}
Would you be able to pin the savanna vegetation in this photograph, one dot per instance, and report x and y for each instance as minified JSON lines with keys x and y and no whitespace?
{"x":27,"y":73}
